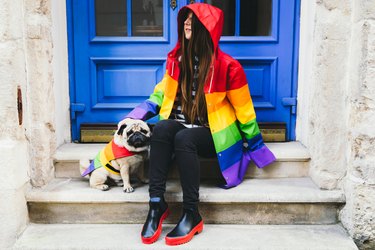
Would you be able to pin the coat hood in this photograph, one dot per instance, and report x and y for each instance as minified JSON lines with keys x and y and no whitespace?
{"x":211,"y":17}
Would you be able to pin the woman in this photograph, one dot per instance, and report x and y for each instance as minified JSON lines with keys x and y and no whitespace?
{"x":205,"y":109}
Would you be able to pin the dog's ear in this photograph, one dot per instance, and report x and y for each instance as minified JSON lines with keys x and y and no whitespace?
{"x":121,"y":129}
{"x":151,"y":126}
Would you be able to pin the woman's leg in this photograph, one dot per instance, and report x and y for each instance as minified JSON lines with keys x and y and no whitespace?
{"x":162,"y":148}
{"x":161,"y":151}
{"x":190,"y":143}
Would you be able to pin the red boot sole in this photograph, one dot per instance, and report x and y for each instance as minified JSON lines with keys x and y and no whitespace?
{"x":184,"y":239}
{"x":156,"y":235}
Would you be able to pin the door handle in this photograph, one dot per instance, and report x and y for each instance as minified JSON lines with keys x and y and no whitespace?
{"x":173,"y":4}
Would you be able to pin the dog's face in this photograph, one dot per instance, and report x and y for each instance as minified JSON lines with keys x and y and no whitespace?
{"x":134,"y":135}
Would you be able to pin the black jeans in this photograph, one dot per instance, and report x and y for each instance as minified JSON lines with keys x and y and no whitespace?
{"x":170,"y":138}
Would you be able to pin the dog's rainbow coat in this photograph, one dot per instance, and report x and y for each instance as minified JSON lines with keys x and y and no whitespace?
{"x":105,"y":156}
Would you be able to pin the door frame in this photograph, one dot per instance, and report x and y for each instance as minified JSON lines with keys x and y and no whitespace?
{"x":294,"y":88}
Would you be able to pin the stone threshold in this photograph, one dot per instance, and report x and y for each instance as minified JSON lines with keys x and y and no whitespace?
{"x":282,"y":190}
{"x":228,"y":237}
{"x":284,"y":151}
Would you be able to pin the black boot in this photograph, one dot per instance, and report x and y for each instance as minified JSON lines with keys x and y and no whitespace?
{"x":191,"y":223}
{"x":152,"y":228}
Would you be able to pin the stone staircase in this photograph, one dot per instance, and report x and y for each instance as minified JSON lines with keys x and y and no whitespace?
{"x":278,"y":207}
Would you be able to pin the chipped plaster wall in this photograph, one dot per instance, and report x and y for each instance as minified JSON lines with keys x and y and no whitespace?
{"x":336,"y":113}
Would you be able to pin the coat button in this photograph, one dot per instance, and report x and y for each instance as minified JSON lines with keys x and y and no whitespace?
{"x":220,"y":155}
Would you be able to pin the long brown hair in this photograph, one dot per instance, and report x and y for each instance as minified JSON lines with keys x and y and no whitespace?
{"x":201,"y":46}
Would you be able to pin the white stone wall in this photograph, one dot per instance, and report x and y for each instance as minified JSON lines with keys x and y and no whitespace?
{"x":336,"y":112}
{"x":14,"y":149}
{"x":322,"y":94}
{"x":27,"y":142}
{"x":359,"y":214}
{"x":40,"y":117}
{"x":60,"y":71}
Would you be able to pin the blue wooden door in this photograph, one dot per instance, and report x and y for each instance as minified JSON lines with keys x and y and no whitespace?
{"x":117,"y":52}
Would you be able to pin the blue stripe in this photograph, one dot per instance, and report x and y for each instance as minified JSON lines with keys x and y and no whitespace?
{"x":255,"y":143}
{"x":230,"y":156}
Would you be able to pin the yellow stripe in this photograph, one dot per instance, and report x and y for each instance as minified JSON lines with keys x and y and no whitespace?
{"x":242,"y":103}
{"x":108,"y":151}
{"x":103,"y":158}
{"x":166,"y":108}
{"x":221,"y":118}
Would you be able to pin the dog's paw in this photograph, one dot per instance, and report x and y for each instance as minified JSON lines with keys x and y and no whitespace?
{"x":128,"y":189}
{"x":103,"y":187}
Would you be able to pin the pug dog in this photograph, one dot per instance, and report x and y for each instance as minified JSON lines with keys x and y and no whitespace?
{"x":123,"y":155}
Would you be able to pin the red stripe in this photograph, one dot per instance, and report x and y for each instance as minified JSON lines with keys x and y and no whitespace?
{"x":119,"y":152}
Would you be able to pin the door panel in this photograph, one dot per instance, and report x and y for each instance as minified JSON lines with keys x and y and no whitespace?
{"x":119,"y":49}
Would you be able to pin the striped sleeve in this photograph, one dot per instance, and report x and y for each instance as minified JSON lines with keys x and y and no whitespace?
{"x":150,"y":107}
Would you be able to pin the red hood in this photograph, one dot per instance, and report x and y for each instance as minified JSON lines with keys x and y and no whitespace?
{"x":211,"y":17}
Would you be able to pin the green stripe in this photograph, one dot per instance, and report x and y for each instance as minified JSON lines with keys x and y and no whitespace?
{"x":250,"y":129}
{"x":226,"y":137}
{"x":97,"y":162}
{"x":157,"y":97}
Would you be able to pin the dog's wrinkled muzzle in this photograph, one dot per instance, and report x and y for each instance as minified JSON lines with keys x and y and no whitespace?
{"x":138,"y":140}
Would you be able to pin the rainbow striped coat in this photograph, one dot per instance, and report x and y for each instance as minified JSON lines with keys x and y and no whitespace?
{"x":231,"y":114}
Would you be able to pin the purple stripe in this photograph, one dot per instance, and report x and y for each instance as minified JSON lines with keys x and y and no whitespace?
{"x":262,"y":157}
{"x":137,"y":113}
{"x":235,"y":173}
{"x":89,"y":169}
{"x":144,"y":111}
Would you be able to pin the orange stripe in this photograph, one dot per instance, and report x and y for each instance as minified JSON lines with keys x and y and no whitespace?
{"x":215,"y":101}
{"x":170,"y":87}
{"x":239,"y":97}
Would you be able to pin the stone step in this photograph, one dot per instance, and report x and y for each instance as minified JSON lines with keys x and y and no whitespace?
{"x":292,"y":161}
{"x":228,"y":237}
{"x":255,"y":201}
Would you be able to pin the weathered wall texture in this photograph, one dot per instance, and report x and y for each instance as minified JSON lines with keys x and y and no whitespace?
{"x":336,"y":113}
{"x":27,"y":140}
{"x":359,"y":213}
{"x":41,"y":104}
{"x":13,"y":142}
{"x":324,"y":109}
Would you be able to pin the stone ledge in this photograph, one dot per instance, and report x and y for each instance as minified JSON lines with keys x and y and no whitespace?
{"x":228,"y":237}
{"x":286,"y":151}
{"x":285,"y":190}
